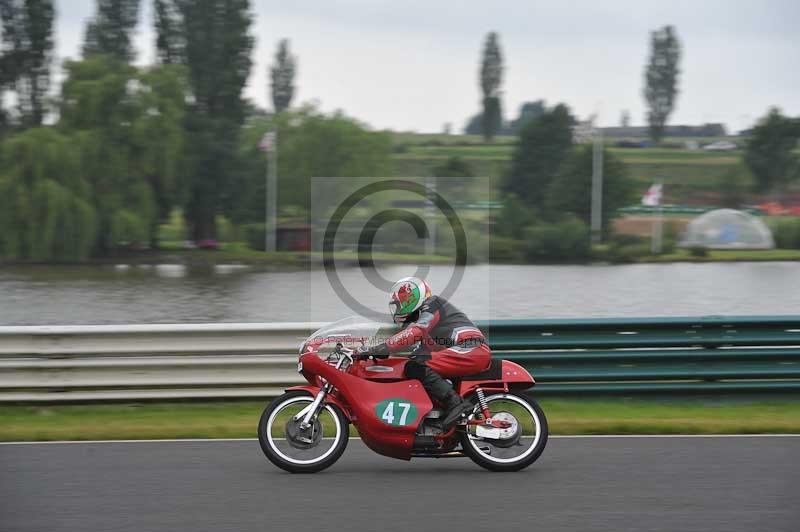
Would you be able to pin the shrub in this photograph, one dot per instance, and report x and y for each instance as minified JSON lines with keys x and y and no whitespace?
{"x":226,"y":231}
{"x":628,"y":253}
{"x":627,"y":248}
{"x":504,"y":249}
{"x":254,"y":235}
{"x":620,"y":240}
{"x":786,"y":233}
{"x":174,"y":230}
{"x":671,"y":236}
{"x":564,"y":240}
{"x":128,"y":229}
{"x":698,"y":251}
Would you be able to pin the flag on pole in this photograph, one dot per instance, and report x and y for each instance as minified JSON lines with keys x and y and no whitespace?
{"x":267,"y":141}
{"x":653,"y":195}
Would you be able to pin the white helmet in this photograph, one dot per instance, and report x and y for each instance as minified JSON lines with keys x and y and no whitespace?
{"x":407,"y":295}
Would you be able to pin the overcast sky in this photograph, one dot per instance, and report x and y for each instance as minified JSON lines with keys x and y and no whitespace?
{"x":413,"y":65}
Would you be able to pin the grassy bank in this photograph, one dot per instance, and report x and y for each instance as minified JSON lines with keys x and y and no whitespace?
{"x":239,"y":253}
{"x":239,"y":419}
{"x":718,"y":255}
{"x":696,"y":175}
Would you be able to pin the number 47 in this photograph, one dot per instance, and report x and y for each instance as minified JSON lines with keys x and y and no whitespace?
{"x":388,"y":413}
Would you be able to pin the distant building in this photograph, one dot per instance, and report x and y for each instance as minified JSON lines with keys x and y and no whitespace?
{"x":635,"y":132}
{"x":721,"y":145}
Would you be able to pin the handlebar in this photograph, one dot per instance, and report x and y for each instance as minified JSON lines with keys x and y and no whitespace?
{"x":346,"y":351}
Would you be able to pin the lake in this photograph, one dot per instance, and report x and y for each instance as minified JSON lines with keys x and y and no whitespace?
{"x":66,"y":295}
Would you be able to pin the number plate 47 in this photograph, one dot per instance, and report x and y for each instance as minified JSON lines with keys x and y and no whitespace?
{"x":397,"y":412}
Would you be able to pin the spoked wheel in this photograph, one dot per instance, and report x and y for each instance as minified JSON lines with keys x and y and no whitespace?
{"x":302,"y":450}
{"x":514,"y":447}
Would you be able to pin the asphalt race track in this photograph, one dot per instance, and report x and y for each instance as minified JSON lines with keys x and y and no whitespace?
{"x":617,"y":484}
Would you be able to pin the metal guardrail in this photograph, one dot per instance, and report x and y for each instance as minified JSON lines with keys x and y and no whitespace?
{"x":625,"y":356}
{"x":139,"y":362}
{"x":658,"y":355}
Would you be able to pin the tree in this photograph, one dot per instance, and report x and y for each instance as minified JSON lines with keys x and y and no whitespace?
{"x":527,"y":112}
{"x":169,"y":38}
{"x":625,"y":118}
{"x":661,"y":79}
{"x":217,"y":51}
{"x":27,"y":45}
{"x":127,"y":126}
{"x":12,"y":41}
{"x":312,"y":144}
{"x":474,"y":125}
{"x":571,"y":192}
{"x":454,"y":167}
{"x":45,"y":208}
{"x":541,"y":148}
{"x":282,"y":75}
{"x":769,"y":153}
{"x":491,"y":77}
{"x":109,"y":31}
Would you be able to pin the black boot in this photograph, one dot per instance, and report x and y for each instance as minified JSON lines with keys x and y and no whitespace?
{"x":439,"y":389}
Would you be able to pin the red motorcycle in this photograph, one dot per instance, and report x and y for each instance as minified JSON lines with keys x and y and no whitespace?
{"x":307,"y":428}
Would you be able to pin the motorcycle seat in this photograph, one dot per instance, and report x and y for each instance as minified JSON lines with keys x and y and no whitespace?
{"x":493,"y":372}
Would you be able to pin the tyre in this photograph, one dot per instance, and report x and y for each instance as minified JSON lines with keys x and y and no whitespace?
{"x":512,"y":448}
{"x":302,"y":451}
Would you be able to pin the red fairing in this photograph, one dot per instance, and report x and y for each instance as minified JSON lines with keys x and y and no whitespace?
{"x":365,"y":396}
{"x":512,"y":377}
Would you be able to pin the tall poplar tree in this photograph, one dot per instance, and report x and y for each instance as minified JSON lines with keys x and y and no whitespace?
{"x":27,"y":42}
{"x":661,"y":79}
{"x":109,"y":32}
{"x":282,"y":75}
{"x":169,"y":35}
{"x":217,"y":52}
{"x":491,"y":77}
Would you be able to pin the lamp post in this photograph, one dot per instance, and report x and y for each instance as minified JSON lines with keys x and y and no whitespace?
{"x":597,"y":186}
{"x":269,"y":144}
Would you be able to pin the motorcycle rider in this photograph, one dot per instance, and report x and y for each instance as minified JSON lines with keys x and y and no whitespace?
{"x":447,"y":344}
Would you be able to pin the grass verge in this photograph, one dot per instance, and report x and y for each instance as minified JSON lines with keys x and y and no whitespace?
{"x":734,"y":255}
{"x":239,"y":419}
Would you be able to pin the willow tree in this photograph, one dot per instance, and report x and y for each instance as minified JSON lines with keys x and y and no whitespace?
{"x":127,"y":125}
{"x":45,"y":209}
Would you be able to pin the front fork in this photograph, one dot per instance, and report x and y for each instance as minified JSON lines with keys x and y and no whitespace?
{"x":309,"y":413}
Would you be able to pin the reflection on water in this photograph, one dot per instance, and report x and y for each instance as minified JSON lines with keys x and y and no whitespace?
{"x":175,"y":293}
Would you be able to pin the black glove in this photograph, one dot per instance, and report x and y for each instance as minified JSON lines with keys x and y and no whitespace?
{"x":362,"y":353}
{"x":379,"y":352}
{"x":373,"y":353}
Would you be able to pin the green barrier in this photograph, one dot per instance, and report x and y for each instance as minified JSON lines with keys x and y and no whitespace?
{"x":654,"y":355}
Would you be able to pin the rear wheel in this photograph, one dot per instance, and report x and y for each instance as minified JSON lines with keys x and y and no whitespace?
{"x":512,"y":448}
{"x":294,"y":449}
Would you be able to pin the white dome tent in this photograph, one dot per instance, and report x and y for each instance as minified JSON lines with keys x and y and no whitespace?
{"x":727,"y":229}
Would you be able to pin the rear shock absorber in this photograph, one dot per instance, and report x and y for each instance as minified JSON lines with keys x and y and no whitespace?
{"x":483,"y":403}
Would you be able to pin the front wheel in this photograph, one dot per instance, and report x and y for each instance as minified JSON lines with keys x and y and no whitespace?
{"x":302,"y":451}
{"x":512,"y":448}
